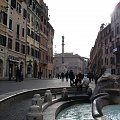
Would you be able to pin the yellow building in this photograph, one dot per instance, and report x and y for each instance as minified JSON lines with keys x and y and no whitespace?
{"x":24,"y":38}
{"x":12,"y":37}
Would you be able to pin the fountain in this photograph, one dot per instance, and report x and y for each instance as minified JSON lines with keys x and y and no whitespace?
{"x":105,"y":95}
{"x":81,"y":111}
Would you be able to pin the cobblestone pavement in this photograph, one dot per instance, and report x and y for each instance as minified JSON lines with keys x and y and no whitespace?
{"x":10,"y":86}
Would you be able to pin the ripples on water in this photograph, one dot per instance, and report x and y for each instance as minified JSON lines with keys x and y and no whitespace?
{"x":112,"y":112}
{"x":76,"y":112}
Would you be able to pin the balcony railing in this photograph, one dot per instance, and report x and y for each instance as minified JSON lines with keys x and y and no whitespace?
{"x":44,"y":62}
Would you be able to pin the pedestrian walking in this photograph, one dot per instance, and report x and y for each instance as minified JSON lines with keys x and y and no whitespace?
{"x":78,"y":82}
{"x":10,"y":73}
{"x":67,"y":75}
{"x":38,"y":74}
{"x":62,"y":76}
{"x":49,"y":75}
{"x":72,"y":77}
{"x":96,"y":78}
{"x":58,"y":76}
{"x":18,"y":74}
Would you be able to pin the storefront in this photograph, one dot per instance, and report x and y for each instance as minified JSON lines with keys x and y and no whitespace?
{"x":32,"y":68}
{"x":13,"y":63}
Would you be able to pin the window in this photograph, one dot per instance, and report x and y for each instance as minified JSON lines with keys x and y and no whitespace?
{"x":23,"y":49}
{"x":28,"y":50}
{"x":23,"y":32}
{"x":113,"y":46}
{"x":32,"y":51}
{"x":44,"y":30}
{"x":117,"y":58}
{"x":112,"y":60}
{"x":111,"y":49}
{"x":36,"y":53}
{"x":18,"y":8}
{"x":17,"y":47}
{"x":13,"y":3}
{"x":33,"y":7}
{"x":18,"y":27}
{"x":30,"y":2}
{"x":3,"y":18}
{"x":28,"y":31}
{"x":44,"y":21}
{"x":28,"y":17}
{"x":2,"y":40}
{"x":9,"y":43}
{"x":41,"y":18}
{"x":40,"y":27}
{"x":106,"y":51}
{"x":35,"y":36}
{"x":112,"y":35}
{"x":105,"y":41}
{"x":24,"y":13}
{"x":106,"y":61}
{"x":38,"y":38}
{"x":117,"y":29}
{"x":32,"y":34}
{"x":10,"y":24}
{"x":32,"y":21}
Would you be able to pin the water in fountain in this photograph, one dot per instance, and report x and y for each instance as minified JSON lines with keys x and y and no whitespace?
{"x":112,"y":112}
{"x":76,"y":112}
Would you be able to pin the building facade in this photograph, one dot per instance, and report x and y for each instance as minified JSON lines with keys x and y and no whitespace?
{"x":71,"y":62}
{"x":101,"y":54}
{"x":25,"y":33}
{"x":115,"y":33}
{"x":105,"y":55}
{"x":13,"y":37}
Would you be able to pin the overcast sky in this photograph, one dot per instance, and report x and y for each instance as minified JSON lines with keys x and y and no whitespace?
{"x":79,"y":21}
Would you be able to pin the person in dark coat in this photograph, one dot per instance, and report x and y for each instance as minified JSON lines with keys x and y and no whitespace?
{"x":18,"y":75}
{"x":96,"y":78}
{"x":78,"y":81}
{"x":10,"y":74}
{"x":72,"y":77}
{"x":62,"y":76}
{"x":58,"y":76}
{"x":40,"y":75}
{"x":67,"y":75}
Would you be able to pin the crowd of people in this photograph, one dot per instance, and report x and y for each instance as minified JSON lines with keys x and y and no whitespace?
{"x":80,"y":80}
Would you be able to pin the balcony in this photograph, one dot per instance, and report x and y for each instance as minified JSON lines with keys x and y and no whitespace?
{"x":44,"y":62}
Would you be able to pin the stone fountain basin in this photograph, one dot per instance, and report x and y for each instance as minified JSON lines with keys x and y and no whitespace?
{"x":110,"y":97}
